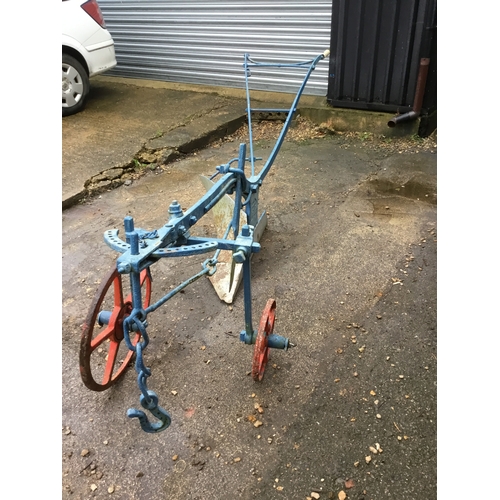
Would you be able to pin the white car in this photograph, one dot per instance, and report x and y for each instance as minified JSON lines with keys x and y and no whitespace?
{"x":88,"y":49}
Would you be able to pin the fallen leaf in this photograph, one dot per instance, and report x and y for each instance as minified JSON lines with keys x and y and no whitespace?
{"x":111,"y":489}
{"x":368,"y":459}
{"x":251,"y":418}
{"x":349,"y":484}
{"x":93,"y":487}
{"x":258,"y":423}
{"x":342,"y":495}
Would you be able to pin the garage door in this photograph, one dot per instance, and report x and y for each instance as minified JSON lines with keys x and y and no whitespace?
{"x":203,"y":42}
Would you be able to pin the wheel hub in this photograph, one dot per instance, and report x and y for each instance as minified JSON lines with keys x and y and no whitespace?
{"x":66,"y":86}
{"x":125,"y":311}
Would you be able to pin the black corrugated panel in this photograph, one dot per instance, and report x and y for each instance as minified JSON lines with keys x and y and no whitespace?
{"x":376,"y":47}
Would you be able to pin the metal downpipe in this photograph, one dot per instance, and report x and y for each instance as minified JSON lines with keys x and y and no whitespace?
{"x":419,"y":96}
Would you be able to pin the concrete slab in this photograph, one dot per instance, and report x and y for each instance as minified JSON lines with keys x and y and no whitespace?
{"x":129,"y":123}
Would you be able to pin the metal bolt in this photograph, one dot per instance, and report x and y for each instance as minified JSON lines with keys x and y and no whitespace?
{"x":124,"y":268}
{"x":175,"y":210}
{"x":240,"y":255}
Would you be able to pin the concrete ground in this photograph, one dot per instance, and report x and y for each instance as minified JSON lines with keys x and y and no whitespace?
{"x":349,"y":254}
{"x":151,"y":121}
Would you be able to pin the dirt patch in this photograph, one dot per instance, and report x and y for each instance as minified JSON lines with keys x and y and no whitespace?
{"x":303,"y":129}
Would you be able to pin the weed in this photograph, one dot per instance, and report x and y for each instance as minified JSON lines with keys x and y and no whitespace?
{"x":139,"y":165}
{"x":364,"y":136}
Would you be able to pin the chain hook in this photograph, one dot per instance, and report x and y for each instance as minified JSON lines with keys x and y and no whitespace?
{"x":150,"y":403}
{"x":148,"y":399}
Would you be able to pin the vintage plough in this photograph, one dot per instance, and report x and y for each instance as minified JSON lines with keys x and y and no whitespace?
{"x":116,"y":316}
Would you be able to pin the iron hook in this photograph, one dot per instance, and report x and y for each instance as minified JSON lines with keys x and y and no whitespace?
{"x":151,"y":404}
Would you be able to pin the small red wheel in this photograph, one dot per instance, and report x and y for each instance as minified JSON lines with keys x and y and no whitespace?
{"x":261,"y":350}
{"x":103,"y":355}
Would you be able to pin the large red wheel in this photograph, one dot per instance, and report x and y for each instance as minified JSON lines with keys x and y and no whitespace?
{"x":104,"y":357}
{"x":261,"y":350}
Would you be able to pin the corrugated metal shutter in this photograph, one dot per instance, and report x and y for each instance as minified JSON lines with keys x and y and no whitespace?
{"x":203,"y":42}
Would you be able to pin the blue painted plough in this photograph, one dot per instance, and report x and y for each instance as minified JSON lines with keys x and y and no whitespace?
{"x":123,"y":318}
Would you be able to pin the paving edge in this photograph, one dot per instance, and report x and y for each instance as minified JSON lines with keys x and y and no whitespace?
{"x":117,"y":176}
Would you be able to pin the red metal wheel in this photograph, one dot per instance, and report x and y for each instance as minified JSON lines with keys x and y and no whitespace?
{"x":261,"y":350}
{"x":104,"y":357}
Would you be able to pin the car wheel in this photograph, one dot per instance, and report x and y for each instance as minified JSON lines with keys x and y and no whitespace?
{"x":75,"y":85}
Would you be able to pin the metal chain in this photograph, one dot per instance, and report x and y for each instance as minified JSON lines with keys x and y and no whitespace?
{"x":149,"y":399}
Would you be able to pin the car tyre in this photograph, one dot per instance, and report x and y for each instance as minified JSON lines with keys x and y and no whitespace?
{"x":75,"y":85}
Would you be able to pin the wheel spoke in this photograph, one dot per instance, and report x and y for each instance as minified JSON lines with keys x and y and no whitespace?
{"x":70,"y":100}
{"x":71,"y":74}
{"x":110,"y":363}
{"x":104,"y":335}
{"x":118,"y":288}
{"x":77,"y":88}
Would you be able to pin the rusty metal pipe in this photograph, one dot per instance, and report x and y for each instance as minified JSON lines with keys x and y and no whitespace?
{"x":419,"y":96}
